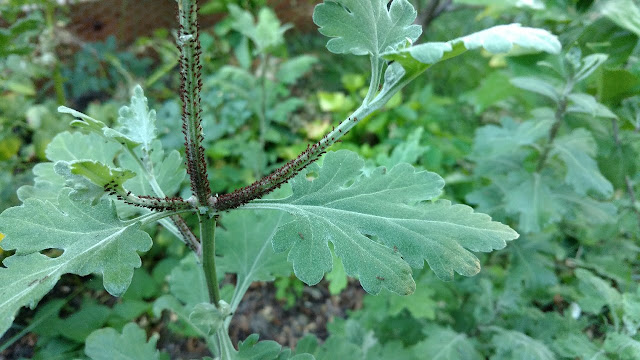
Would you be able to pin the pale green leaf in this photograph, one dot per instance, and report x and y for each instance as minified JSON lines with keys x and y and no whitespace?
{"x":99,"y":173}
{"x":623,"y":346}
{"x":625,"y":13}
{"x":446,"y":344}
{"x":92,"y":238}
{"x":421,"y":304}
{"x":530,"y":198}
{"x":366,"y":27}
{"x":88,"y":123}
{"x":209,"y":317}
{"x":243,"y":243}
{"x":47,"y":184}
{"x":187,"y":281}
{"x":293,"y":69}
{"x":578,"y":346}
{"x":167,"y":169}
{"x":596,"y":292}
{"x":512,"y":345}
{"x":588,"y":65}
{"x":584,"y":208}
{"x":587,"y":104}
{"x":66,"y":147}
{"x":538,"y":86}
{"x":77,"y":146}
{"x":631,"y":308}
{"x":132,"y":344}
{"x":491,"y":140}
{"x":577,"y":150}
{"x":408,"y":151}
{"x":252,"y":349}
{"x":531,"y":266}
{"x":498,"y":39}
{"x":136,"y":122}
{"x":265,"y":33}
{"x":337,"y":277}
{"x":379,"y":226}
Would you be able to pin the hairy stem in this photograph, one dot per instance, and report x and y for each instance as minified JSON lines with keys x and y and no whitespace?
{"x":207,"y":234}
{"x":191,"y":84}
{"x":281,"y":175}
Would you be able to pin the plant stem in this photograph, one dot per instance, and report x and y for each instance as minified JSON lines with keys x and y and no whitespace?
{"x":189,"y":45}
{"x":58,"y":80}
{"x":376,"y":69}
{"x":207,"y":235}
{"x":224,"y":344}
{"x":559,"y":116}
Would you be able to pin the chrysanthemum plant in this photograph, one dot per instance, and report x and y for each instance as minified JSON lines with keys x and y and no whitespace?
{"x":102,"y":185}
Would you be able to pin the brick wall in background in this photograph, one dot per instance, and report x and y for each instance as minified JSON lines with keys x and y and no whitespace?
{"x":130,"y":19}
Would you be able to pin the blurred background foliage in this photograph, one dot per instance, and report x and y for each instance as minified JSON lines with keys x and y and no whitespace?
{"x":568,"y":288}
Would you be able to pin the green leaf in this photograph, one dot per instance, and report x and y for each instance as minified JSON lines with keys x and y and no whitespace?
{"x":625,"y":13}
{"x":516,"y":345}
{"x":266,"y":33}
{"x":136,"y":122}
{"x":64,"y":148}
{"x":244,"y":244}
{"x":578,"y":346}
{"x":251,"y":349}
{"x":92,"y":238}
{"x":132,"y":344}
{"x":100,"y":174}
{"x":531,"y":266}
{"x":293,"y":69}
{"x":530,"y":197}
{"x":378,"y":225}
{"x":420,"y":304}
{"x":168,"y":170}
{"x":596,"y":292}
{"x":208,"y":317}
{"x":577,"y":150}
{"x":366,"y":27}
{"x":88,"y":123}
{"x":538,"y":86}
{"x":588,"y":65}
{"x":446,"y":344}
{"x":408,"y":151}
{"x":623,"y":346}
{"x":337,"y":277}
{"x":498,"y":39}
{"x":587,"y":104}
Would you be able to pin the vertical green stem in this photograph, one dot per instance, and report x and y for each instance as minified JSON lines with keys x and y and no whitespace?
{"x":207,"y":235}
{"x":189,"y":45}
{"x":58,"y":80}
{"x":559,"y":116}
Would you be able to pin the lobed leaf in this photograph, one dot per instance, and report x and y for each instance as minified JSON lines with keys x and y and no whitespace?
{"x":92,"y":238}
{"x":446,"y":344}
{"x":108,"y":344}
{"x":379,"y":226}
{"x":362,"y":27}
{"x":244,"y":244}
{"x":577,"y":150}
{"x":498,"y":39}
{"x":136,"y":121}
